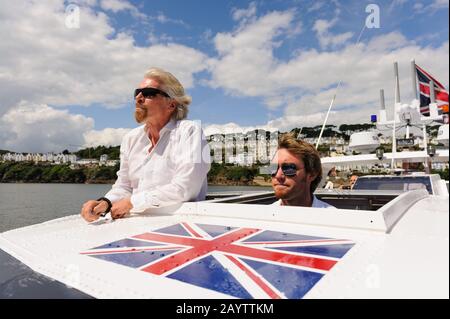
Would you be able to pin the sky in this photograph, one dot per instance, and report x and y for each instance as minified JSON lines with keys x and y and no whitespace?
{"x":68,"y":69}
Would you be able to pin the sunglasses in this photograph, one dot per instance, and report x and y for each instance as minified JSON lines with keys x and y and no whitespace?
{"x":149,"y":93}
{"x":288,"y":169}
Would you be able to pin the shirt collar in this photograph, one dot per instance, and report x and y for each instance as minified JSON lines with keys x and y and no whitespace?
{"x":168,"y":127}
{"x":315,"y":201}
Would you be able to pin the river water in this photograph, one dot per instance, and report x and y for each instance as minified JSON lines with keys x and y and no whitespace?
{"x":28,"y":204}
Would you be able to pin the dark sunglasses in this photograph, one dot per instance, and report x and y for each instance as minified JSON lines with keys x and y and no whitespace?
{"x":288,"y":169}
{"x":149,"y":93}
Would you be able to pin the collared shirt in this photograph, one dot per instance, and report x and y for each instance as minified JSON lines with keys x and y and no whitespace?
{"x":317,"y":203}
{"x":173,"y":171}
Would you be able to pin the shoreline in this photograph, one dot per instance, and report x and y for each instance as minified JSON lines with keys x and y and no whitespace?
{"x":250,"y":184}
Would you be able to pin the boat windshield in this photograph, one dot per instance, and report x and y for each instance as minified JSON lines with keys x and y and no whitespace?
{"x":401,"y":183}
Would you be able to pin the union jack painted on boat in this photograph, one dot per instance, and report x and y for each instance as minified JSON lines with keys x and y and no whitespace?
{"x":241,"y":262}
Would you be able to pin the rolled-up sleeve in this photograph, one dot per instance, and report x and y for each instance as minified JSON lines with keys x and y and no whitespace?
{"x":122,"y":187}
{"x":192,"y":164}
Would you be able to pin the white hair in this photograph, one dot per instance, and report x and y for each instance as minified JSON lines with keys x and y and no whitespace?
{"x":170,"y":84}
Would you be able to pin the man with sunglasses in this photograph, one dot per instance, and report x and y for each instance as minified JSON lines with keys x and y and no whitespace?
{"x":162,"y":162}
{"x":296,"y":172}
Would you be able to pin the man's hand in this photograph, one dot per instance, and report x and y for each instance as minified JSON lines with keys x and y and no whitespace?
{"x":121,"y":208}
{"x":92,"y":209}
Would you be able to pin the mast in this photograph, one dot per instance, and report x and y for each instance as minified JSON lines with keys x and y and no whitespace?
{"x":397,"y":101}
{"x":383,"y":116}
{"x":414,"y":79}
{"x":397,"y":83}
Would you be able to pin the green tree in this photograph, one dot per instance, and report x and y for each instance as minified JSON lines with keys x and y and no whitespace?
{"x":34,"y":174}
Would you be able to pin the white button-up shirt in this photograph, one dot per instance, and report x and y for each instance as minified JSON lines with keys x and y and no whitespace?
{"x":173,"y":171}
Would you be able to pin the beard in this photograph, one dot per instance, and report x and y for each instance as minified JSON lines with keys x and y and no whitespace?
{"x":140,"y":114}
{"x":282,"y":192}
{"x":290,"y":191}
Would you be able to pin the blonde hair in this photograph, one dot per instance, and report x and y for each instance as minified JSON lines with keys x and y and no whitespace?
{"x":170,"y":84}
{"x":307,"y":153}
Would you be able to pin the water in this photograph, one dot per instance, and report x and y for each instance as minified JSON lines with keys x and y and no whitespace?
{"x":28,"y":204}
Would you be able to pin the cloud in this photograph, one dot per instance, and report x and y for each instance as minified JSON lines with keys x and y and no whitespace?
{"x":288,"y":122}
{"x":116,"y":5}
{"x":396,"y":3}
{"x":418,"y":6}
{"x":106,"y":137}
{"x":316,"y":6}
{"x":439,"y":4}
{"x":244,"y":14}
{"x":431,"y":7}
{"x":162,"y":18}
{"x":61,"y":66}
{"x":121,"y":5}
{"x":306,"y":83}
{"x":325,"y":38}
{"x":41,"y":128}
{"x":246,"y":58}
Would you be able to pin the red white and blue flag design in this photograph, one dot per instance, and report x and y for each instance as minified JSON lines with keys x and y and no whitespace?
{"x":241,"y":262}
{"x":424,"y":86}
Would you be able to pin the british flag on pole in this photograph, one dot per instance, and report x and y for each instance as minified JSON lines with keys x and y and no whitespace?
{"x":240,"y":262}
{"x":424,"y":86}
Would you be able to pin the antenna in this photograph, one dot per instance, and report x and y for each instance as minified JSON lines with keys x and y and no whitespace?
{"x":397,"y":83}
{"x":414,"y":79}
{"x":397,"y":100}
{"x":299,"y":135}
{"x":334,"y":96}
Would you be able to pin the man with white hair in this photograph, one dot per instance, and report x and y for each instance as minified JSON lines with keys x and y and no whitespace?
{"x":162,"y":162}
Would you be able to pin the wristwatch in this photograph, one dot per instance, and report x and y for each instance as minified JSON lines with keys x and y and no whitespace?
{"x":109,"y":205}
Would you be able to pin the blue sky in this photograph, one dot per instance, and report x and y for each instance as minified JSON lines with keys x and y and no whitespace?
{"x":247,"y":64}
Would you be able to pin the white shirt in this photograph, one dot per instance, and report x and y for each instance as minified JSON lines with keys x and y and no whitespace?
{"x":317,"y":203}
{"x":174,"y":171}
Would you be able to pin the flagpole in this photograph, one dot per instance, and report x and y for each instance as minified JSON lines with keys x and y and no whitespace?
{"x":414,"y":79}
{"x":432,"y":93}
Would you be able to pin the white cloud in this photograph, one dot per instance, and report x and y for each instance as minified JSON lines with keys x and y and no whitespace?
{"x":121,"y":5}
{"x":306,"y":83}
{"x":439,"y":4}
{"x":162,"y":18}
{"x":246,"y":61}
{"x":288,"y":122}
{"x":396,"y":3}
{"x":89,"y":3}
{"x":244,"y":14}
{"x":431,"y":7}
{"x":325,"y":38}
{"x":418,"y":6}
{"x":316,"y":6}
{"x":45,"y":62}
{"x":106,"y":137}
{"x":49,"y":64}
{"x":41,"y":128}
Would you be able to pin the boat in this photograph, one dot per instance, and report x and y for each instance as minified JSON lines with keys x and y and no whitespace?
{"x":388,"y":241}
